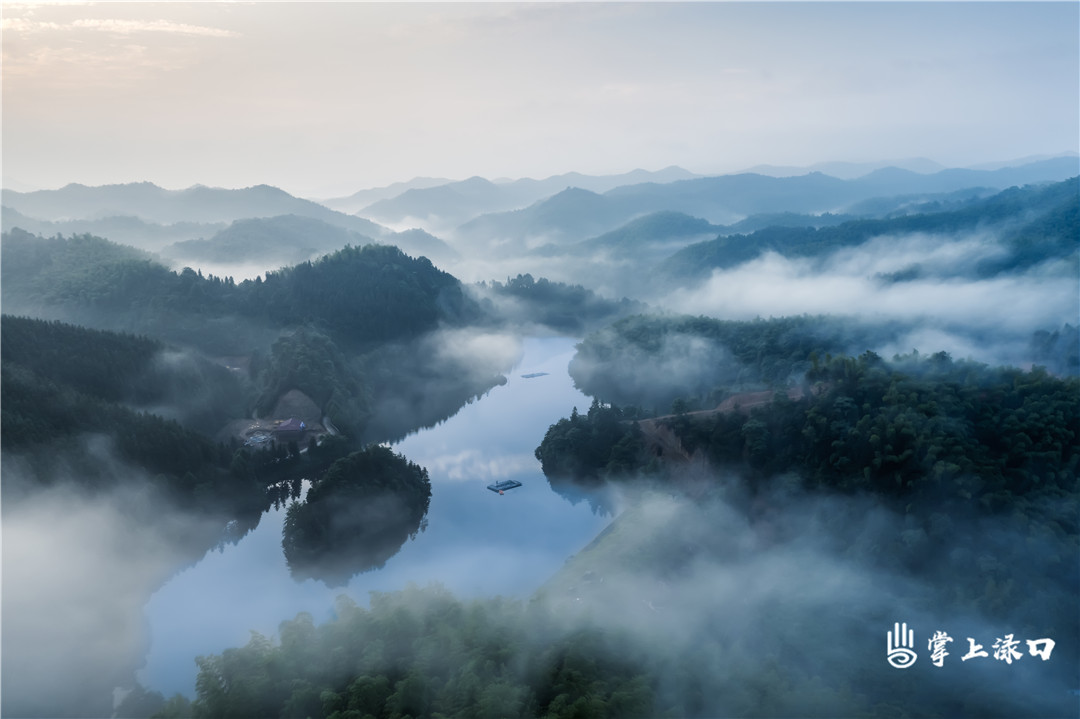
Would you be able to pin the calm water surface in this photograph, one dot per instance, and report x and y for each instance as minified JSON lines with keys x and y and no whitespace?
{"x":476,"y":543}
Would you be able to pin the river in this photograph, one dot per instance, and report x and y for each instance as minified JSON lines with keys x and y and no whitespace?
{"x":476,"y":543}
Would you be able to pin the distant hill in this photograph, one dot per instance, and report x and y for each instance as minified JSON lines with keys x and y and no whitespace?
{"x":539,"y":189}
{"x":455,"y":203}
{"x":894,"y":181}
{"x":1036,"y":223}
{"x":727,"y":199}
{"x":847,"y":170}
{"x":920,"y":165}
{"x":418,"y":243}
{"x":658,"y":231}
{"x":730,"y":198}
{"x":357,"y":295}
{"x":447,"y":204}
{"x":290,"y":240}
{"x":151,"y":203}
{"x":785,"y":219}
{"x":362,"y":198}
{"x":284,"y":240}
{"x":127,"y":230}
{"x":906,"y":204}
{"x":576,"y":215}
{"x":1018,"y":162}
{"x":569,"y":216}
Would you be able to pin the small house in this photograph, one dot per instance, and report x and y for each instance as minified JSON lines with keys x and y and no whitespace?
{"x":291,"y":430}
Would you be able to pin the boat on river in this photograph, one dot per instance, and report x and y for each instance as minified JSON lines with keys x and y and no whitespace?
{"x":500,"y":487}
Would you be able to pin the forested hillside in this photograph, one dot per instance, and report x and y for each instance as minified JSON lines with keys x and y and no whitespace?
{"x":76,"y":402}
{"x":935,"y":476}
{"x":917,"y":426}
{"x":1037,"y":223}
{"x":361,"y":295}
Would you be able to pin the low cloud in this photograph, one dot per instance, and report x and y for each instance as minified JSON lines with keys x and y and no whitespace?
{"x":779,"y":603}
{"x":989,"y":319}
{"x":78,"y":568}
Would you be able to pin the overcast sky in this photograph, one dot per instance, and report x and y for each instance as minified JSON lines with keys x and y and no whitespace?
{"x":326,"y":99}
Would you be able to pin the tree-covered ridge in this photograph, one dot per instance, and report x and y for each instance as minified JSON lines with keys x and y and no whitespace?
{"x":105,"y":364}
{"x":95,"y":409}
{"x":603,"y":443}
{"x":61,"y":381}
{"x":60,"y":434}
{"x":954,"y":483}
{"x":929,"y":425}
{"x":284,"y":240}
{"x":1045,"y":219}
{"x":125,"y":230}
{"x":367,"y":294}
{"x":356,"y":516}
{"x":641,"y":234}
{"x":79,"y":270}
{"x":753,"y":223}
{"x":915,"y":427}
{"x":129,"y":369}
{"x":361,"y":295}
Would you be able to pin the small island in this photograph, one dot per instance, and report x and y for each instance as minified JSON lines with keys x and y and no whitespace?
{"x":356,"y":516}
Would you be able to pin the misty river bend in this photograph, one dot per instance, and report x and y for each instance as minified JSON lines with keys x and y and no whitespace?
{"x":476,"y":543}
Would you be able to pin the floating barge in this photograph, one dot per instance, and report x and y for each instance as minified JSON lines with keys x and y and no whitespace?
{"x":500,"y":487}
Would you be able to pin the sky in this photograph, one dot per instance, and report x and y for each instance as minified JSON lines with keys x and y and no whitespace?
{"x":323,"y":99}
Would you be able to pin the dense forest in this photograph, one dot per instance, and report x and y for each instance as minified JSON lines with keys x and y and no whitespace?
{"x":131,"y":369}
{"x":284,"y":240}
{"x":65,"y":386}
{"x":916,"y":426}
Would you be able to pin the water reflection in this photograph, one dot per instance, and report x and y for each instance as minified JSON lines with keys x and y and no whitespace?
{"x":477,"y":543}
